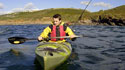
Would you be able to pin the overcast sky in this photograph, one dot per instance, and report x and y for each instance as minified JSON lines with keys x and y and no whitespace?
{"x":9,"y":6}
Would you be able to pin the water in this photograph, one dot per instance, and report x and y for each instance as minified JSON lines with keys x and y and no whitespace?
{"x":102,"y":49}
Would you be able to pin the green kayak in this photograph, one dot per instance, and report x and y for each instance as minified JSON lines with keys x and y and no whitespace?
{"x":51,"y":55}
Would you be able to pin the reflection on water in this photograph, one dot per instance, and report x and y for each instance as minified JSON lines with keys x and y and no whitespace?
{"x":103,"y":48}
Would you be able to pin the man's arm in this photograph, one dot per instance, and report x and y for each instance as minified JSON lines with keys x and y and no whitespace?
{"x":71,"y":34}
{"x":69,"y":31}
{"x":45,"y":33}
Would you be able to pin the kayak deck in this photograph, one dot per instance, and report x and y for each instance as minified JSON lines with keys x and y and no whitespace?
{"x":51,"y":55}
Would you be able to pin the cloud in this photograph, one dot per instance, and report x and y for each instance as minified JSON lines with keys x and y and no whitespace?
{"x":1,"y":6}
{"x":84,"y":2}
{"x":4,"y":12}
{"x":27,"y":7}
{"x":1,"y":12}
{"x":102,"y":4}
{"x":18,"y":10}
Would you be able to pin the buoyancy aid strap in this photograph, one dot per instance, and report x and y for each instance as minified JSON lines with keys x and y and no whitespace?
{"x":53,"y":33}
{"x":62,"y":32}
{"x":62,"y":23}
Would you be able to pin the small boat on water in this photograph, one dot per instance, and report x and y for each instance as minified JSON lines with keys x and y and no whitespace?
{"x":52,"y":54}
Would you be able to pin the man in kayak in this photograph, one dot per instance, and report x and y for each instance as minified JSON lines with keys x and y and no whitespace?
{"x":56,"y":29}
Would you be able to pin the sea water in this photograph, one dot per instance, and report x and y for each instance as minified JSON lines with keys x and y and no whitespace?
{"x":102,"y":48}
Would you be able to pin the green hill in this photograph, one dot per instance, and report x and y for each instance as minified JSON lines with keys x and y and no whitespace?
{"x":118,"y":12}
{"x":68,"y":14}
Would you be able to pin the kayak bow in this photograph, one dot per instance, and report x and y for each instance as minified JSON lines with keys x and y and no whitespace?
{"x":51,"y":55}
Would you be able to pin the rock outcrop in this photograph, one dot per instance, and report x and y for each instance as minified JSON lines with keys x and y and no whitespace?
{"x":111,"y":21}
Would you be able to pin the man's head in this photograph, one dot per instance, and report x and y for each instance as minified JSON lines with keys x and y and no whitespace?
{"x":57,"y":19}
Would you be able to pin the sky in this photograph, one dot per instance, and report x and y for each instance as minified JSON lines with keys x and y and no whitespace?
{"x":10,"y":6}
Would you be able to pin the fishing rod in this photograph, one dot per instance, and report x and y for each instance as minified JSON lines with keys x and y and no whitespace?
{"x":83,"y":11}
{"x":80,"y":16}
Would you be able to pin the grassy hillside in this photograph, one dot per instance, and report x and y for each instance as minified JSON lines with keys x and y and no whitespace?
{"x":118,"y":13}
{"x":68,"y":14}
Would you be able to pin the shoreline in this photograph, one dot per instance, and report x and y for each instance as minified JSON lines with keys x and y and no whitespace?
{"x":39,"y":23}
{"x":22,"y":23}
{"x":88,"y":22}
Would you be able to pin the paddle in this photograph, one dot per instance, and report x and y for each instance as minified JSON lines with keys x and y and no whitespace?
{"x":20,"y":40}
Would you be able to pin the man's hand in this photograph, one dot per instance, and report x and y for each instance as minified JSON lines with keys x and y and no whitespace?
{"x":73,"y":37}
{"x":40,"y":38}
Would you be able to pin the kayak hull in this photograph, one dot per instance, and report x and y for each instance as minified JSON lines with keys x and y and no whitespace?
{"x":51,"y":55}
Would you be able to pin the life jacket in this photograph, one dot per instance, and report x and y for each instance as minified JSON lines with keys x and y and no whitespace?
{"x":57,"y":31}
